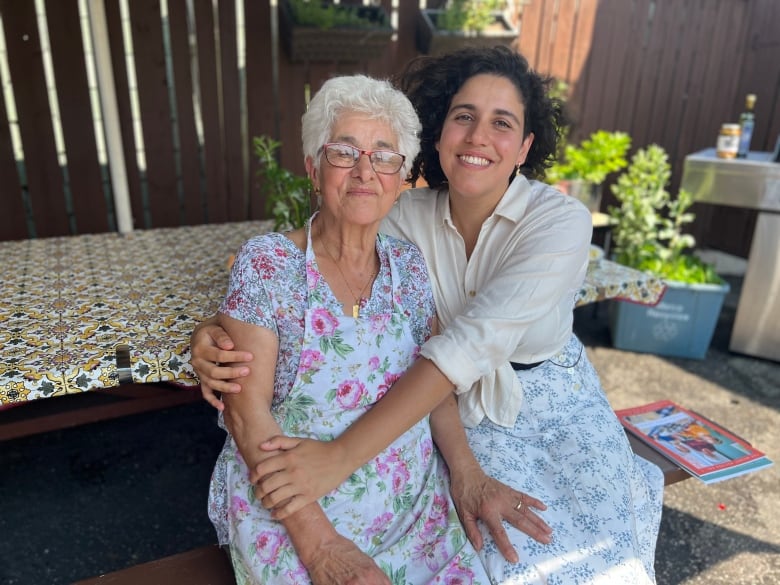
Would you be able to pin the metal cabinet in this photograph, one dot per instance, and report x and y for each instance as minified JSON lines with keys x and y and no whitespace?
{"x":750,"y":183}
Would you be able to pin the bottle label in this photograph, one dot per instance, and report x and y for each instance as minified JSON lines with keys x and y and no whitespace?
{"x":744,"y":138}
{"x":728,"y":145}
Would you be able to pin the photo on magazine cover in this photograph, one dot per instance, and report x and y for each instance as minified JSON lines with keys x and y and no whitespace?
{"x":694,"y":442}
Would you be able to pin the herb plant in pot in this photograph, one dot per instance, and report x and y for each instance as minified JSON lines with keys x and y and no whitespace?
{"x":320,"y":31}
{"x":287,"y":195}
{"x":582,"y":169}
{"x":463,"y":23}
{"x":647,"y":228}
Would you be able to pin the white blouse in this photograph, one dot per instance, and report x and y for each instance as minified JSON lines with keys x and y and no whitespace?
{"x":511,"y":301}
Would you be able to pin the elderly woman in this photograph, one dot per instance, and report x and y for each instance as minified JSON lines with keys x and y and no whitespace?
{"x":335,"y":313}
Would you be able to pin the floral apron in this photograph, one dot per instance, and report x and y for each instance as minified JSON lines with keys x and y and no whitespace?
{"x":396,"y":508}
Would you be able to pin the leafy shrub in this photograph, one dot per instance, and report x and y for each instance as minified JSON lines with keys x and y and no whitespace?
{"x":468,"y":15}
{"x":595,"y":158}
{"x":648,"y":225}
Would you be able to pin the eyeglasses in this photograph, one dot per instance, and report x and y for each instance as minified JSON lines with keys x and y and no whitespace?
{"x":346,"y":156}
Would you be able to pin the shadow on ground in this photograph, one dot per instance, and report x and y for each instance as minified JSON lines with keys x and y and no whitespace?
{"x":701,"y":553}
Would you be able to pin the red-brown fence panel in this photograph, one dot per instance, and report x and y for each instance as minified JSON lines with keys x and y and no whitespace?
{"x":666,"y":71}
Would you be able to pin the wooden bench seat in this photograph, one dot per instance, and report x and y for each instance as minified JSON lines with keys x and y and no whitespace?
{"x":207,"y":565}
{"x":672,"y":472}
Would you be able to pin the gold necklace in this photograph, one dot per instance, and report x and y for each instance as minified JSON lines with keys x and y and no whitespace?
{"x":358,"y":298}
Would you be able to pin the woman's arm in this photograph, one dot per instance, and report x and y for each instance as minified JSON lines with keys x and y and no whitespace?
{"x":330,"y":558}
{"x":306,"y":470}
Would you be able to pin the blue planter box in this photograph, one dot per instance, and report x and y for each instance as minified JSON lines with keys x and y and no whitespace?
{"x":681,"y":325}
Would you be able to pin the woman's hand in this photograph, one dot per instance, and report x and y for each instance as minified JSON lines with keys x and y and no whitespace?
{"x":211,"y":346}
{"x":305,"y":471}
{"x":479,"y":496}
{"x":340,"y":562}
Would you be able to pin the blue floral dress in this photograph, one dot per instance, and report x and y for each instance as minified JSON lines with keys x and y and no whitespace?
{"x":331,"y":369}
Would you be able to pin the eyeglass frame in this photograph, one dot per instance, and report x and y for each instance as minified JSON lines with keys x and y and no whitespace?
{"x":361,"y":152}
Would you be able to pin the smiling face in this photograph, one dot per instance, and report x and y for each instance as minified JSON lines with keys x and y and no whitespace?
{"x":358,"y":195}
{"x":482,"y":139}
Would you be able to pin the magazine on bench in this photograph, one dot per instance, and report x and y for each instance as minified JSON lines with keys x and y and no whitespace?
{"x":703,"y":448}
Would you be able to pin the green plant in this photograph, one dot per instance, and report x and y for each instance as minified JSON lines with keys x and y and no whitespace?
{"x":286,"y":194}
{"x":648,"y":224}
{"x":595,"y":158}
{"x":468,"y":15}
{"x":325,"y":15}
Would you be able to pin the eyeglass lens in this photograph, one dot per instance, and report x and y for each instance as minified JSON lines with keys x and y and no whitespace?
{"x":347,"y":156}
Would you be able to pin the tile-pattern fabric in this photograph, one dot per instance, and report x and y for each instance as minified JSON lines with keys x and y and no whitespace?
{"x":67,"y":302}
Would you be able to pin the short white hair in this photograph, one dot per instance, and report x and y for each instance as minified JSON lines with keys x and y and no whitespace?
{"x":376,"y":98}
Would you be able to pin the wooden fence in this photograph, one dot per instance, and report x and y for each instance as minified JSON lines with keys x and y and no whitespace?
{"x":195,"y":80}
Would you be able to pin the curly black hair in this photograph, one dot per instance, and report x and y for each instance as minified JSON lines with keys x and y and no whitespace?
{"x":430,"y":82}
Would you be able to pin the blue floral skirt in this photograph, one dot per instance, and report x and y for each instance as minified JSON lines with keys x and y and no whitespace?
{"x":568,"y":449}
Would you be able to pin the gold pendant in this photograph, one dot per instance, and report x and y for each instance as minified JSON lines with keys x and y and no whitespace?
{"x":355,"y":309}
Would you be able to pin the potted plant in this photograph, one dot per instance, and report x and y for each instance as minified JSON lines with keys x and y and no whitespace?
{"x":647,"y":228}
{"x":581,"y":170}
{"x":287,"y":196}
{"x":463,"y":22}
{"x":320,"y":31}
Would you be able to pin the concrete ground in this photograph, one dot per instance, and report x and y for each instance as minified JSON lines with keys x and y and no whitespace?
{"x":104,"y":496}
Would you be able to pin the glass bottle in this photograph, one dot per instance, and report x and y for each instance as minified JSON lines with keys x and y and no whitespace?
{"x":746,"y":122}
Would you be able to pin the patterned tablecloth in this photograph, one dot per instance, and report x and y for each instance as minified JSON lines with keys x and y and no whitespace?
{"x":92,"y":311}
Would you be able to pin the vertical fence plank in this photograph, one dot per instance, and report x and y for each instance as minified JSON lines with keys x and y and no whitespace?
{"x":404,"y":48}
{"x":155,"y":111}
{"x":13,"y":219}
{"x":672,"y":30}
{"x":590,"y":89}
{"x":67,"y":53}
{"x":44,"y":176}
{"x":231,"y":107}
{"x":563,"y":41}
{"x":632,"y":72}
{"x":119,"y":66}
{"x":680,"y":131}
{"x":531,"y":19}
{"x":761,"y":64}
{"x":189,"y":150}
{"x":658,"y":37}
{"x":545,"y":37}
{"x":721,"y":79}
{"x":214,"y":167}
{"x":261,"y":109}
{"x":586,"y":18}
{"x":611,"y":36}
